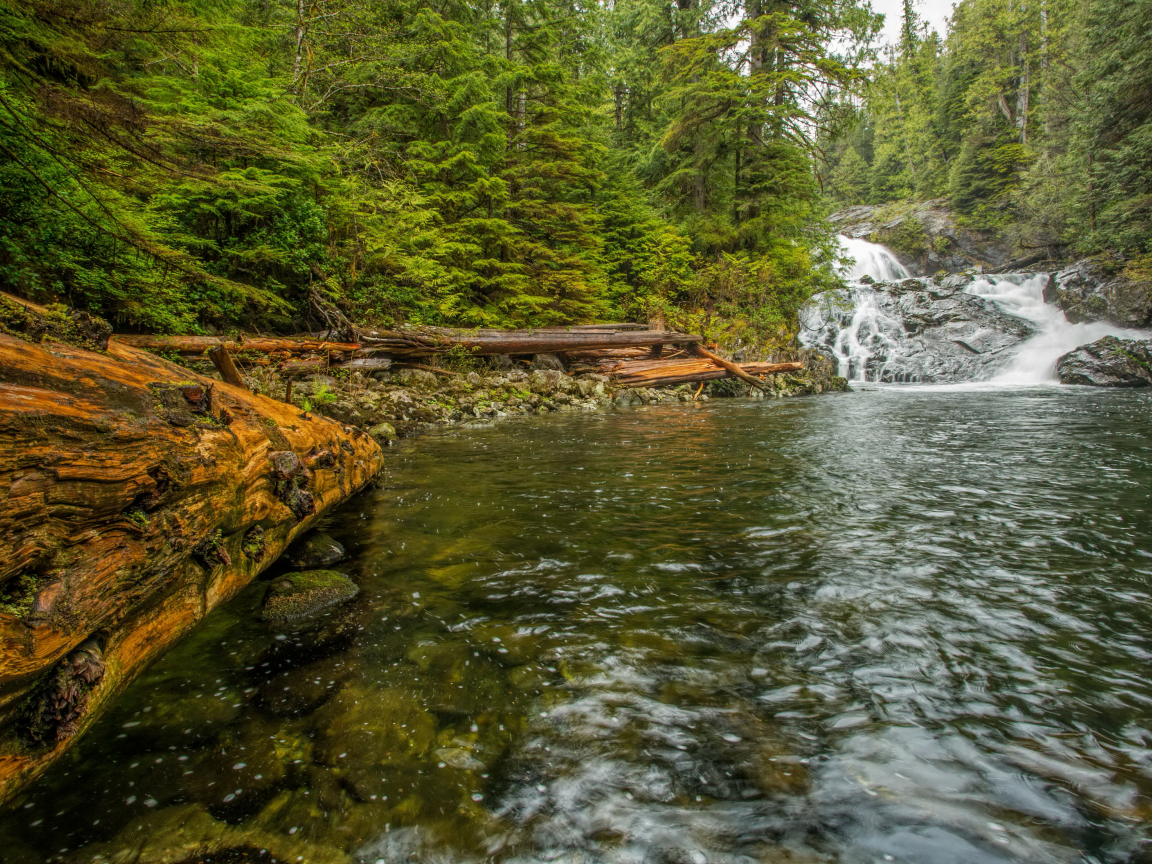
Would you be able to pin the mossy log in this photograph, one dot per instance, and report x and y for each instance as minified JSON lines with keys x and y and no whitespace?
{"x":138,"y":496}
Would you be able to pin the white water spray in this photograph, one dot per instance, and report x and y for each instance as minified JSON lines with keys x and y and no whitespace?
{"x":865,"y":330}
{"x":1035,"y":362}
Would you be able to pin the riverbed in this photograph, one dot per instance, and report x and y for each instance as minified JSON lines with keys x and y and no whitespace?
{"x":892,"y":625}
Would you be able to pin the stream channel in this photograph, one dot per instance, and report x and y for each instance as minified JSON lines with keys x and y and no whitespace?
{"x":899,"y":624}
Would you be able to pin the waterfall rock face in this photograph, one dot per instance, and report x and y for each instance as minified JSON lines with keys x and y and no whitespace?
{"x":915,"y":330}
{"x":925,"y":237}
{"x":1096,"y":290}
{"x":1108,"y":362}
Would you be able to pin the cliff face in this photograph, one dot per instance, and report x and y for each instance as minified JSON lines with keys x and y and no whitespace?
{"x":925,"y":237}
{"x":138,"y":496}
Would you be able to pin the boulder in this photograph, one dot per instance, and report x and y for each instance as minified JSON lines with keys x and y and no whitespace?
{"x":315,"y":551}
{"x":1108,"y":362}
{"x":296,"y":596}
{"x":925,"y":237}
{"x":385,"y":433}
{"x":1099,"y":290}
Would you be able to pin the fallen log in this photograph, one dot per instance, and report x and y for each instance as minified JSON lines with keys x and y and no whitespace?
{"x":427,"y":341}
{"x":257,"y":344}
{"x":732,"y":368}
{"x":138,"y":497}
{"x":665,"y":373}
{"x":222,"y":360}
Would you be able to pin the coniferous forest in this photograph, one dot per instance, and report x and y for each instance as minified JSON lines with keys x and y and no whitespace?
{"x":193,"y":166}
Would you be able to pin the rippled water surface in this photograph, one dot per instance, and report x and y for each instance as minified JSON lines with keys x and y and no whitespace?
{"x":889,"y":626}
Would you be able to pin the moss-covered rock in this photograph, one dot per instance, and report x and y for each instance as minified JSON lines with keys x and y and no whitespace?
{"x":295,"y":596}
{"x":315,"y":551}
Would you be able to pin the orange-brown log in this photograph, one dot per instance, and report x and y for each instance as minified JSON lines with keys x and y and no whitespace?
{"x":732,"y":368}
{"x":137,"y":497}
{"x":222,"y":360}
{"x":659,"y":374}
{"x":257,"y":344}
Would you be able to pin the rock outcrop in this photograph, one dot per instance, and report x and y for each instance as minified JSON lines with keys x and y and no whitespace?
{"x":919,"y":330}
{"x":1097,"y":289}
{"x":1108,"y":362}
{"x":925,"y":237}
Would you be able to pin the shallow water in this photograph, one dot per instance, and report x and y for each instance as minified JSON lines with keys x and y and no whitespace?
{"x":893,"y":625}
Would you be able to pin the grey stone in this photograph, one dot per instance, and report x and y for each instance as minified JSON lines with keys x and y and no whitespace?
{"x":1094,"y":290}
{"x":1108,"y":362}
{"x":295,"y":596}
{"x":316,"y":550}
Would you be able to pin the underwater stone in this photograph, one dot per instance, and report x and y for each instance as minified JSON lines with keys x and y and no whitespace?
{"x":299,"y":595}
{"x":316,"y":551}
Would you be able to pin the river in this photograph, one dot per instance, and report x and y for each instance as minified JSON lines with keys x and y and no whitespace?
{"x":894,"y":625}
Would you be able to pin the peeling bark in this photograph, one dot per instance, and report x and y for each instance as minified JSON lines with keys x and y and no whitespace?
{"x":138,"y":496}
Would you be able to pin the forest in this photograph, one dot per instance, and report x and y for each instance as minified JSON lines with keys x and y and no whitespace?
{"x":196,"y":166}
{"x":1032,"y":118}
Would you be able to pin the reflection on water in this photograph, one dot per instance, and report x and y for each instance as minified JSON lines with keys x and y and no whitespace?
{"x":888,"y":626}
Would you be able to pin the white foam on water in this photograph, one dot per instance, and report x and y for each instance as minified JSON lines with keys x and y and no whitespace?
{"x":870,"y":259}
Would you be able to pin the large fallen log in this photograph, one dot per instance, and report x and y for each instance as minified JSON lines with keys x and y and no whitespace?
{"x":734,"y":370}
{"x":660,"y":373}
{"x":256,"y":344}
{"x":138,"y":496}
{"x":430,"y":340}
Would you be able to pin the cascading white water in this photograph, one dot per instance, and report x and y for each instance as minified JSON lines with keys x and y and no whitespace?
{"x":1035,"y":361}
{"x":870,"y":259}
{"x":866,"y":329}
{"x":869,"y":331}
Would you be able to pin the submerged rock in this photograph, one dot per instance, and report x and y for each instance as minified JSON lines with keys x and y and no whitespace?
{"x":1098,"y":290}
{"x":299,"y":595}
{"x":315,"y":551}
{"x":1108,"y":362}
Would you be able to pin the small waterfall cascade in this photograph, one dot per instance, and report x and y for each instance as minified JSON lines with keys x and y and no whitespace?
{"x":893,"y":328}
{"x":854,"y":325}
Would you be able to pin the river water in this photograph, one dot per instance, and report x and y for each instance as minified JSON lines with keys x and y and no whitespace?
{"x":892,"y":625}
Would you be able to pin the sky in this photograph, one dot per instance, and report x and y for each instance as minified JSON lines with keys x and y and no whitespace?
{"x":935,"y":12}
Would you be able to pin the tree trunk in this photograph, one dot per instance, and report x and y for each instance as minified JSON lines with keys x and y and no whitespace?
{"x":138,"y":496}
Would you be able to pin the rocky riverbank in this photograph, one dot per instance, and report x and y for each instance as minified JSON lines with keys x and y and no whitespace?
{"x":396,"y":403}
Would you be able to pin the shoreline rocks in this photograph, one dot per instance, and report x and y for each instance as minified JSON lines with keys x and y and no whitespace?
{"x":315,"y":552}
{"x":1108,"y":362}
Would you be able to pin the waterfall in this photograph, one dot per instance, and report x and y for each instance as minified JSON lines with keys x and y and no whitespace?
{"x":870,"y":259}
{"x":991,"y":329}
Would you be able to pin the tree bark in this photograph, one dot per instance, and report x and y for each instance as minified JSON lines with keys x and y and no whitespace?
{"x":732,"y":368}
{"x":662,"y":373}
{"x":222,"y":360}
{"x":138,"y":496}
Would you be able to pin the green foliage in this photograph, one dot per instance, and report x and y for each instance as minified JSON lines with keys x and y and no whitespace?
{"x":195,"y":166}
{"x":1031,"y":117}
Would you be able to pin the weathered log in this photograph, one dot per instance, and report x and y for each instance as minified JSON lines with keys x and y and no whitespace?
{"x":732,"y":368}
{"x":426,"y":341}
{"x":258,"y":344}
{"x":655,"y":373}
{"x":138,"y":496}
{"x":222,"y":360}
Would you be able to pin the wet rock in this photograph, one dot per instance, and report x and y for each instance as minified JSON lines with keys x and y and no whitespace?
{"x":296,"y":596}
{"x":925,"y":330}
{"x":547,"y":361}
{"x":316,"y":551}
{"x":1100,"y":290}
{"x":364,"y":729}
{"x":925,"y":237}
{"x":1108,"y":362}
{"x":187,"y":833}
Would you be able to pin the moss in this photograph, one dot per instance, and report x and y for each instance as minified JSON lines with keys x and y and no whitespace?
{"x":18,"y":594}
{"x":301,"y":594}
{"x":254,"y":544}
{"x":138,"y":517}
{"x":906,"y":237}
{"x":58,"y":323}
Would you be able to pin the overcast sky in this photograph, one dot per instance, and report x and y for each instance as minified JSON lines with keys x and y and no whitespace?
{"x":935,"y":12}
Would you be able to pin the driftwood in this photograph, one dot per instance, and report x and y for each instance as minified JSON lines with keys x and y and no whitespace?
{"x":732,"y":368}
{"x":660,"y":373}
{"x":222,"y":360}
{"x":256,"y":344}
{"x":430,"y":340}
{"x":138,"y":496}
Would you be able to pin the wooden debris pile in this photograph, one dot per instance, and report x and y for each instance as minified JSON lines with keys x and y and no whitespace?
{"x":634,"y":354}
